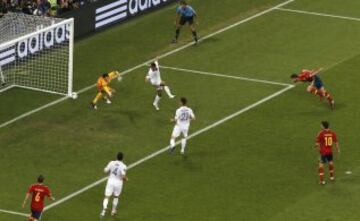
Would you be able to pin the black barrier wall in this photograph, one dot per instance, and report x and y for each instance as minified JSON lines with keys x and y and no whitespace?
{"x":102,"y":14}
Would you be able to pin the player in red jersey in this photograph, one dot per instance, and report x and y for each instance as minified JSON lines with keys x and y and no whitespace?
{"x":316,"y":86}
{"x":38,"y":191}
{"x":324,"y":142}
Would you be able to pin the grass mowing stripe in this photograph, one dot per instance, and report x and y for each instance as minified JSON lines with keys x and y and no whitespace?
{"x":145,"y":63}
{"x":225,"y":76}
{"x":33,"y":111}
{"x":318,"y":14}
{"x":13,"y":213}
{"x":217,"y":123}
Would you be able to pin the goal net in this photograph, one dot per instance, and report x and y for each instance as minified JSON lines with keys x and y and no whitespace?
{"x":36,"y":53}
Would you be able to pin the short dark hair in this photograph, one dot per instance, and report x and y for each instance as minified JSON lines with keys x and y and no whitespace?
{"x":293,"y":76}
{"x":120,"y":156}
{"x":152,"y":64}
{"x":105,"y":75}
{"x":183,"y":2}
{"x":183,"y":100}
{"x":40,"y":179}
{"x":325,"y":124}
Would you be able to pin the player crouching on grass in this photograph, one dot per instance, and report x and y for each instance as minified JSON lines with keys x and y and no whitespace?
{"x":154,"y":78}
{"x":38,"y":191}
{"x":316,"y":86}
{"x":324,"y":142}
{"x":104,"y":91}
{"x":185,"y":14}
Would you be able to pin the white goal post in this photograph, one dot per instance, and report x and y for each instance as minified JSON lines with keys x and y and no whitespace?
{"x":36,"y":53}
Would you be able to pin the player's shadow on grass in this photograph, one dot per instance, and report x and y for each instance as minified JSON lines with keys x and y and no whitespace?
{"x":323,"y":109}
{"x":185,"y":162}
{"x":340,"y":106}
{"x":132,"y":115}
{"x":210,"y":40}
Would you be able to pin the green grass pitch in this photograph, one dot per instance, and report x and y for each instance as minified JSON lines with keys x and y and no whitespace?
{"x":258,"y":166}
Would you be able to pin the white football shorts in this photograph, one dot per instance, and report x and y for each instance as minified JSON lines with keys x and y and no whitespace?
{"x":113,"y":189}
{"x":178,"y":130}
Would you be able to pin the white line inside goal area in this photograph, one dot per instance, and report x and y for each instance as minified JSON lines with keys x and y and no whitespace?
{"x":158,"y":57}
{"x":156,"y":153}
{"x":225,"y":76}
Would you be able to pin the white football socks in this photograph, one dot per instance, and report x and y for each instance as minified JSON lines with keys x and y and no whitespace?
{"x":156,"y":100}
{"x":115,"y":203}
{"x":168,"y":92}
{"x":183,"y":145}
{"x":172,"y":143}
{"x":105,"y":203}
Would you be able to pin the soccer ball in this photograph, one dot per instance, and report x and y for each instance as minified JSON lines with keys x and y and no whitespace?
{"x":74,"y":95}
{"x":119,"y":78}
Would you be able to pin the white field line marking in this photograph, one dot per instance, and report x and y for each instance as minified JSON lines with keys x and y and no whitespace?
{"x":318,"y":14}
{"x":225,"y":76}
{"x":14,"y":213}
{"x":146,"y":62}
{"x":33,"y":111}
{"x":217,"y":123}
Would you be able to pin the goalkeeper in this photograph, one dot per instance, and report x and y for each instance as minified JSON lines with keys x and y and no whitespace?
{"x":104,"y":91}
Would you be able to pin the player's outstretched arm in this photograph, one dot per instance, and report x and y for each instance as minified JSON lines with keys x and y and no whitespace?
{"x":25,"y":200}
{"x":316,"y":71}
{"x":294,"y":78}
{"x":317,"y":145}
{"x":114,"y":74}
{"x":196,"y":19}
{"x":177,"y":19}
{"x":107,"y":168}
{"x":125,"y":178}
{"x":337,"y":147}
{"x":52,"y":198}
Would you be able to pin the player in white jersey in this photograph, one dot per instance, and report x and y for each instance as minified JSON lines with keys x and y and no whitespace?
{"x":154,"y":78}
{"x":183,"y":116}
{"x":117,"y":174}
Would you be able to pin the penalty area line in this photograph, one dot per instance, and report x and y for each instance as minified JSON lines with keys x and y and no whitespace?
{"x":14,"y":213}
{"x":166,"y":54}
{"x":156,"y":153}
{"x":319,"y":14}
{"x":225,"y":76}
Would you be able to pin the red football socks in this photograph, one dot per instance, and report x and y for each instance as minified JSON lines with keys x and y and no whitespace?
{"x":328,"y":96}
{"x":321,"y":174}
{"x":331,"y":170}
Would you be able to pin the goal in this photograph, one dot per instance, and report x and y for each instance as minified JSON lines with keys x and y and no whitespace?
{"x":36,"y":53}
